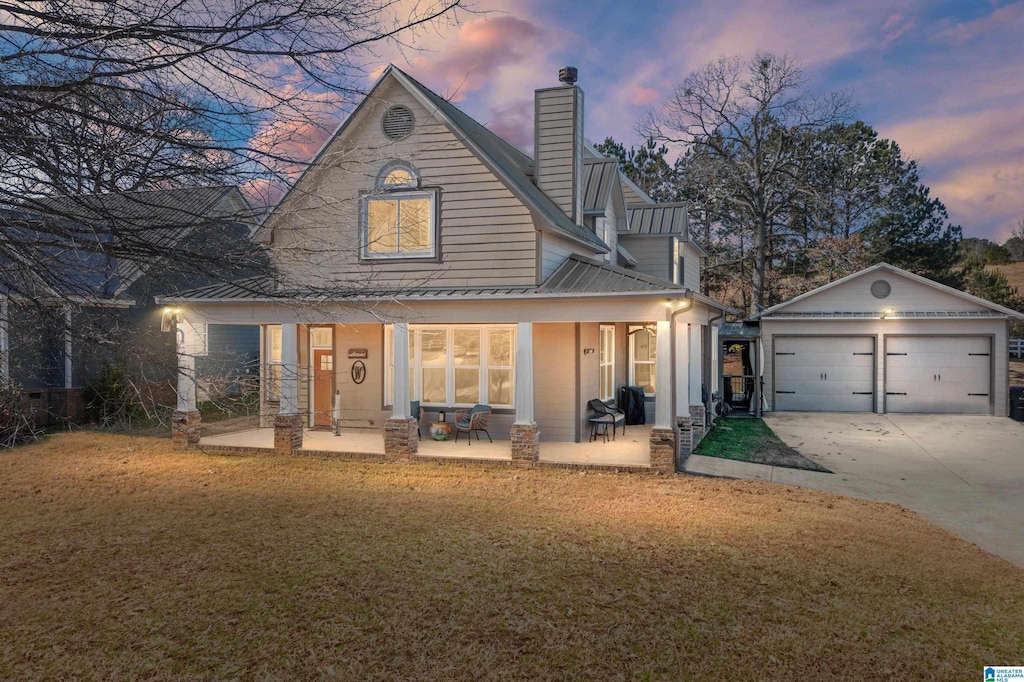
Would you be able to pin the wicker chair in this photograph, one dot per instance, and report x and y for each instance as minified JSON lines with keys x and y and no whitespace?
{"x":603,"y":416}
{"x":472,"y":420}
{"x":416,"y":412}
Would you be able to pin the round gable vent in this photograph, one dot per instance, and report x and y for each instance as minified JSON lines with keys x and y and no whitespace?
{"x":397,"y":122}
{"x":880,"y":288}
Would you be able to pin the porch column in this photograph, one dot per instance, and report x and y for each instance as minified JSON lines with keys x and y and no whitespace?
{"x":524,"y":433}
{"x":663,"y":437}
{"x":288,"y":422}
{"x":401,"y":433}
{"x":683,"y":421}
{"x":697,"y":409}
{"x":186,"y":421}
{"x":716,"y":365}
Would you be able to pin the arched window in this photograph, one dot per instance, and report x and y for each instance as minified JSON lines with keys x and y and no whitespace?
{"x":399,"y":218}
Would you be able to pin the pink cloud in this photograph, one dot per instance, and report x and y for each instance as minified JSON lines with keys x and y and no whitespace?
{"x":894,"y":28}
{"x":477,"y":51}
{"x":1000,"y":19}
{"x":513,"y":122}
{"x":641,"y":96}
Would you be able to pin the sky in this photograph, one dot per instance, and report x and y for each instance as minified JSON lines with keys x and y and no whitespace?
{"x":945,"y":80}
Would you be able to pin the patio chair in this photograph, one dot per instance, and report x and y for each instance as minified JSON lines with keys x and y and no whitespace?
{"x":603,"y":416}
{"x":474,"y":420}
{"x":416,"y":412}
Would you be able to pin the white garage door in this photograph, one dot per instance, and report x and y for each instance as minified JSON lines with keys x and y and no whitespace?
{"x":824,"y":374}
{"x":950,"y":375}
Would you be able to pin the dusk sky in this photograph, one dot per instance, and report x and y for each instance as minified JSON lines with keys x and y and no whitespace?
{"x":945,"y":80}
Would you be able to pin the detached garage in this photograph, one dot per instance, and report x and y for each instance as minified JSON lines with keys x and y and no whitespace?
{"x":886,"y":340}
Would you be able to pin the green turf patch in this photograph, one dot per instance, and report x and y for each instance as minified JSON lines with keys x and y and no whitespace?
{"x":750,"y":440}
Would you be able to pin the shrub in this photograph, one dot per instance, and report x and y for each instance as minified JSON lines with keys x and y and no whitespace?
{"x":17,"y":425}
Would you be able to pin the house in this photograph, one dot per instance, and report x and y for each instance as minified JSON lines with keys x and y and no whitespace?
{"x":423,"y":258}
{"x":886,"y":340}
{"x":85,"y":303}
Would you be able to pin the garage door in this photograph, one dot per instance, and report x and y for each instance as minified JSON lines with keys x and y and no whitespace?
{"x":950,"y":375}
{"x":824,"y":374}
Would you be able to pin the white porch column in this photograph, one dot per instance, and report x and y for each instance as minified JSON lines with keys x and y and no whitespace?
{"x":524,"y":433}
{"x":5,"y":341}
{"x":696,"y":364}
{"x":186,"y":366}
{"x":289,"y":370}
{"x":400,"y":377}
{"x":682,"y":362}
{"x":186,"y":422}
{"x":716,"y":364}
{"x":663,"y":417}
{"x":524,"y":373}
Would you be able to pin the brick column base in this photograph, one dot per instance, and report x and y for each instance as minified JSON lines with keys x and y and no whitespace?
{"x":685,"y":426}
{"x":287,"y":433}
{"x":698,"y":415}
{"x":185,"y":429}
{"x":525,"y":443}
{"x":663,"y":450}
{"x":401,"y":438}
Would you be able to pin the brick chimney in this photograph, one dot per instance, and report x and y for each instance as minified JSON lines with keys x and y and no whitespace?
{"x":558,"y":144}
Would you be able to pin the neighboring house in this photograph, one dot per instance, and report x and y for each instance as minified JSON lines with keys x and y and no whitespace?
{"x":423,"y":258}
{"x":886,"y":340}
{"x":93,"y":307}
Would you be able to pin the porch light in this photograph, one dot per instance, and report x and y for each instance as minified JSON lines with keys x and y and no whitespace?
{"x":887,"y":312}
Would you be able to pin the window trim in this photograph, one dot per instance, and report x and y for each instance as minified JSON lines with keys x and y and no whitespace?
{"x":412,"y":190}
{"x":268,"y":363}
{"x":416,"y":366}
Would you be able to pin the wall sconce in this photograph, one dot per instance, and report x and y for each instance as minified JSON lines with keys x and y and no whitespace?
{"x":588,"y":351}
{"x":168,"y":317}
{"x":887,"y":311}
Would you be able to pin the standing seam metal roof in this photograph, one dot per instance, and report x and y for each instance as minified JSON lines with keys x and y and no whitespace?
{"x":660,"y":220}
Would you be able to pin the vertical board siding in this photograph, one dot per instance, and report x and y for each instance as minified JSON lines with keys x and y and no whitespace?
{"x":486,"y":236}
{"x":361,"y":404}
{"x":589,"y":373}
{"x":554,"y":377}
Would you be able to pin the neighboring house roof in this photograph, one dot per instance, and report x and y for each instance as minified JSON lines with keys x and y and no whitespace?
{"x":513,"y":167}
{"x":780,"y":309}
{"x":576,"y":278}
{"x":658,"y":220}
{"x":151,"y":221}
{"x":740,"y":329}
{"x":599,"y":177}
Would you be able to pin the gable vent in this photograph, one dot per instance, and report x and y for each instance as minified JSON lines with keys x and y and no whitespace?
{"x":397,"y":122}
{"x":880,"y":288}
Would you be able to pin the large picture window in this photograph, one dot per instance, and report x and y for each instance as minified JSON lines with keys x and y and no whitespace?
{"x":456,"y":366}
{"x":398,"y":219}
{"x":607,"y":362}
{"x":642,"y":358}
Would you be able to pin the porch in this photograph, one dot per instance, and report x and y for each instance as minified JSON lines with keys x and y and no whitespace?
{"x":629,"y":451}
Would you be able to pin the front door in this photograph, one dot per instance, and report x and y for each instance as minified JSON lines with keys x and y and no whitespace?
{"x":323,"y":386}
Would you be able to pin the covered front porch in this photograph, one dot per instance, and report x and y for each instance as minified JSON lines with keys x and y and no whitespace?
{"x":629,"y":451}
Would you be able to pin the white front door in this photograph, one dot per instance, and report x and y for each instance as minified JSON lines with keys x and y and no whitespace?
{"x":824,"y":373}
{"x":938,"y":374}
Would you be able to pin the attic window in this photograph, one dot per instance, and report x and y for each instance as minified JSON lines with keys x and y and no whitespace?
{"x":880,"y":288}
{"x":398,"y":218}
{"x":397,"y":122}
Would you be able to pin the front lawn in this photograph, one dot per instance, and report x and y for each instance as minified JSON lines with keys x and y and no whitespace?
{"x":750,"y":440}
{"x":120,"y":559}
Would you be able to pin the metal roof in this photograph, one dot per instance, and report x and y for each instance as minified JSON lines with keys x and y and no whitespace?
{"x":599,"y":176}
{"x":580,"y":275}
{"x":739,"y":329}
{"x":667,"y":220}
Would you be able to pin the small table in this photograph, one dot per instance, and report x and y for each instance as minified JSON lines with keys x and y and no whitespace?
{"x":440,"y":430}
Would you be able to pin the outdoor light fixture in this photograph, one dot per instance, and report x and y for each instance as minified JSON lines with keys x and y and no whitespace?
{"x":168,"y":317}
{"x":887,"y":311}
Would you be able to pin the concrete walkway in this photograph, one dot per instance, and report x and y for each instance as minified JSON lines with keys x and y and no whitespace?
{"x":964,"y":473}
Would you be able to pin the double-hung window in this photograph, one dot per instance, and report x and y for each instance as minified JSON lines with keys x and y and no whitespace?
{"x":642,"y":357}
{"x":398,"y":218}
{"x":457,"y":365}
{"x":607,"y":361}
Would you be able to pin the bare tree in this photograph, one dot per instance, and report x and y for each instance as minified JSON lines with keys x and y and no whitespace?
{"x":747,"y":119}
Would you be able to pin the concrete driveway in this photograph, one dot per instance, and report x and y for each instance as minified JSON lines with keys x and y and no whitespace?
{"x":964,"y":473}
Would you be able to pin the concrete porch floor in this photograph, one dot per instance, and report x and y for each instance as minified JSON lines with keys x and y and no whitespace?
{"x":629,"y":450}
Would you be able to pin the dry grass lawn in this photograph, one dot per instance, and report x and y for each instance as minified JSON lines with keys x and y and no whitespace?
{"x":120,"y":559}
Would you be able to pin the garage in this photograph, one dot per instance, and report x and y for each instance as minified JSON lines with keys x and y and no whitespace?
{"x":938,"y":375}
{"x":824,"y":373}
{"x":885,"y":340}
